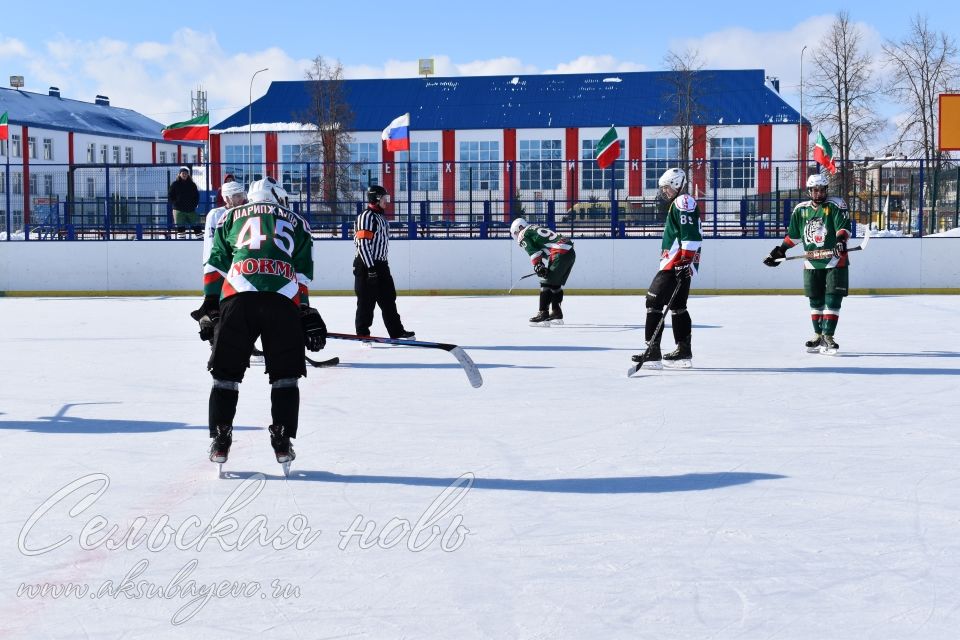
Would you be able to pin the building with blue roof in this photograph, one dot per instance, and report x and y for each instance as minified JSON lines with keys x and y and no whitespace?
{"x":50,"y":135}
{"x":475,"y":131}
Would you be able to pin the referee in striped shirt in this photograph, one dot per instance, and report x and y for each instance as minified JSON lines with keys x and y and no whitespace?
{"x":372,"y":281}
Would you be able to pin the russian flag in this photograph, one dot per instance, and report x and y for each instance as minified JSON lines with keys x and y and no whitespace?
{"x":397,"y":134}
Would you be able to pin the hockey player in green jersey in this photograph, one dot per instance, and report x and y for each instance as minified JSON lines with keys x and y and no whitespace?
{"x":552,"y":256}
{"x":255,"y":285}
{"x":820,"y":223}
{"x":679,"y":261}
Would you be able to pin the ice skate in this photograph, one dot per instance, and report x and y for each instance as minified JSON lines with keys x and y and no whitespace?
{"x":407,"y":335}
{"x":282,"y":446}
{"x":542,"y":319}
{"x":829,"y":346}
{"x":220,"y":444}
{"x":556,"y":317}
{"x":813,"y":344}
{"x":653,"y":359}
{"x":679,"y":358}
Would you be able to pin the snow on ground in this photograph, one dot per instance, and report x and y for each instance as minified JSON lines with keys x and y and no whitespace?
{"x":768,"y":493}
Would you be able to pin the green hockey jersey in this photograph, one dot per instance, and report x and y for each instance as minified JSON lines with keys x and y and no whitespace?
{"x":818,"y":228}
{"x":260,"y":246}
{"x":682,"y":235}
{"x":543,"y":244}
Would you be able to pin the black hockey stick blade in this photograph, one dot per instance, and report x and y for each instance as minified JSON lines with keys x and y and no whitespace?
{"x":469,"y":367}
{"x":517,"y":283}
{"x":332,"y":362}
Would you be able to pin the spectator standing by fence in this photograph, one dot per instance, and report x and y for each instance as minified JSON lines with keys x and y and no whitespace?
{"x":184,"y":197}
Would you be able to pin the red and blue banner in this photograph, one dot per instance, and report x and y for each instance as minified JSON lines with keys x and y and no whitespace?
{"x":397,"y":134}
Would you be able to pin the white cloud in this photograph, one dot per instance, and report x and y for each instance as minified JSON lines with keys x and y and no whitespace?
{"x":156,"y":77}
{"x":777,"y":52}
{"x":596,"y":64}
{"x":11,"y":48}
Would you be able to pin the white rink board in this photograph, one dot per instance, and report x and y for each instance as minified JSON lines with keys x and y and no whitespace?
{"x":888,"y":263}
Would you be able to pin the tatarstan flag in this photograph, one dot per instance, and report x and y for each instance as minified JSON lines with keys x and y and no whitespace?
{"x":608,"y":149}
{"x":195,"y":129}
{"x":4,"y":127}
{"x":823,"y":153}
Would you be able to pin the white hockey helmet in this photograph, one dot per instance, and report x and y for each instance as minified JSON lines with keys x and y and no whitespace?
{"x":517,"y":226}
{"x":231,"y":189}
{"x":818,"y":181}
{"x":267,"y":190}
{"x":674,"y":177}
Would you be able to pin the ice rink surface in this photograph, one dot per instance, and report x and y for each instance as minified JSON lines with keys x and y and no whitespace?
{"x":766,"y":493}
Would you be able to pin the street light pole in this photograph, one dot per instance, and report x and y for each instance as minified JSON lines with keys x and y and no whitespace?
{"x":250,"y":119}
{"x":802,"y":148}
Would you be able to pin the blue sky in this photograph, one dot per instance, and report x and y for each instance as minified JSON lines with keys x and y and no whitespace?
{"x":148,"y":59}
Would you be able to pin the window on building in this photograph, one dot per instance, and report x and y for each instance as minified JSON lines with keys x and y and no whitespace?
{"x":736,"y":162}
{"x":162,"y":157}
{"x":659,"y":154}
{"x":3,"y":147}
{"x":364,"y":165}
{"x":540,"y":164}
{"x":116,"y":154}
{"x":17,"y":183}
{"x":480,"y":166}
{"x":16,"y":150}
{"x":91,"y":153}
{"x":91,"y":188}
{"x":34,"y":184}
{"x":32,"y":147}
{"x":245,"y":164}
{"x":3,"y":186}
{"x":103,"y":154}
{"x":48,"y":149}
{"x":48,"y":185}
{"x":128,"y":155}
{"x":294,"y":169}
{"x":424,"y":167}
{"x":591,"y":175}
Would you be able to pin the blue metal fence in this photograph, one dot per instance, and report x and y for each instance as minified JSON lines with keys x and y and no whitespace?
{"x":475,"y":199}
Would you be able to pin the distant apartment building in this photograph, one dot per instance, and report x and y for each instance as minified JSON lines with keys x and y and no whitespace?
{"x":57,"y":150}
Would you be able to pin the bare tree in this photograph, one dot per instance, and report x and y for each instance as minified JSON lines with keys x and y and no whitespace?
{"x":924,"y":64}
{"x":843,"y":91}
{"x":332,"y":120}
{"x":682,"y":96}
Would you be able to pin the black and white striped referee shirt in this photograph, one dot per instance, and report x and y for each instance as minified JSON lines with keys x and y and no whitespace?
{"x":371,"y":236}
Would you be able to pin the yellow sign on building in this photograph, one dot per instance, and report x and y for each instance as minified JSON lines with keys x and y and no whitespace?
{"x":950,"y":122}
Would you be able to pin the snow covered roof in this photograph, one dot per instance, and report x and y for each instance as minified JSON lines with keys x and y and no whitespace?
{"x":536,"y":101}
{"x":53,"y":112}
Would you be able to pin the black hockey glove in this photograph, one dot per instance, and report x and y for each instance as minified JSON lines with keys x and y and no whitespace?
{"x":683,"y":270}
{"x":208,"y":325}
{"x":840,"y":248}
{"x":208,"y":315}
{"x":314,"y":329}
{"x":372,"y":274}
{"x":778,"y":253}
{"x":540,"y":269}
{"x":209,"y":302}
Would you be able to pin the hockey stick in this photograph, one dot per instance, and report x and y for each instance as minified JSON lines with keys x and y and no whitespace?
{"x":517,"y":283}
{"x":332,"y":362}
{"x":656,"y":332}
{"x":823,"y":254}
{"x":469,"y":367}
